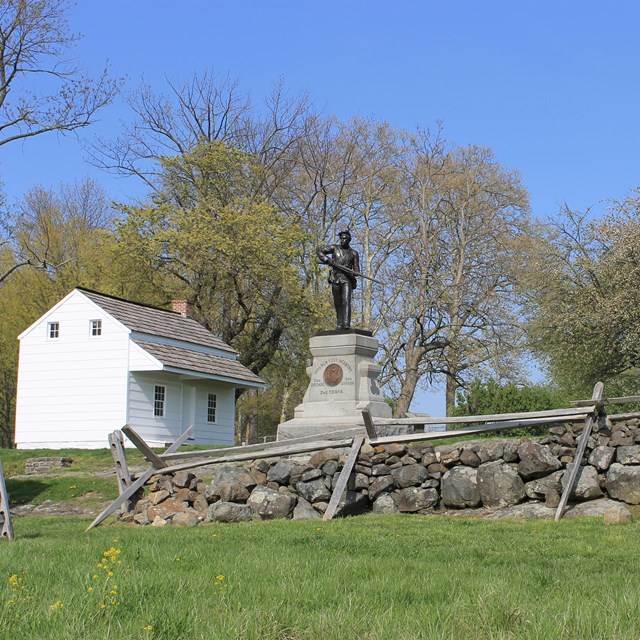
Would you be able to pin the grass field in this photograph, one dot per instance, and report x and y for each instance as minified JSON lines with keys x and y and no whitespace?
{"x":372,"y":577}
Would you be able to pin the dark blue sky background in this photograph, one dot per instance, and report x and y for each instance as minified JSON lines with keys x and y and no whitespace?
{"x":552,"y":87}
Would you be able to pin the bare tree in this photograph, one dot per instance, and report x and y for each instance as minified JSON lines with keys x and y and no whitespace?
{"x":40,"y":90}
{"x":449,"y":306}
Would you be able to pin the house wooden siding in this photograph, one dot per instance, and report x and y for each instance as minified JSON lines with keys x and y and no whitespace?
{"x":75,"y":389}
{"x":71,"y":389}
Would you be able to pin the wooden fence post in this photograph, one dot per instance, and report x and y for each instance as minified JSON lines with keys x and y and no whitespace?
{"x":343,"y":478}
{"x":116,"y":442}
{"x":6,"y":529}
{"x":580,"y":449}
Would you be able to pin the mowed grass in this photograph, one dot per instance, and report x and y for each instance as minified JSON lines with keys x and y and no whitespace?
{"x":371,"y":577}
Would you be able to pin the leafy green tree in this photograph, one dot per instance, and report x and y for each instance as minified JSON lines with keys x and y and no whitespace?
{"x":208,"y":236}
{"x":70,"y":229}
{"x":583,"y":301}
{"x":490,"y":396}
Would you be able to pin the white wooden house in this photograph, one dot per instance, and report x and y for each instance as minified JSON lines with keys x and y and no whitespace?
{"x":94,"y":363}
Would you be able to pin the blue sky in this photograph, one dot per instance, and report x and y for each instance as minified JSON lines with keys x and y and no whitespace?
{"x":552,"y":87}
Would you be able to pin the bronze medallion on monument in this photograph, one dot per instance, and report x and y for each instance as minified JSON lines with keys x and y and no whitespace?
{"x":332,"y":375}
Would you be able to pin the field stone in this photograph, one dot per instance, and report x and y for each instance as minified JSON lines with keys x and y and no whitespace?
{"x":413,"y":499}
{"x":183,"y":479}
{"x":234,"y":484}
{"x":329,"y":468}
{"x":158,"y":522}
{"x":536,"y":461}
{"x":314,"y":491}
{"x":156,"y":497}
{"x":409,"y":475}
{"x":141,"y":518}
{"x":407,"y":459}
{"x":489,"y":452}
{"x":186,"y":519}
{"x":628,"y":454}
{"x":366,"y":450}
{"x":617,"y":515}
{"x":537,"y":489}
{"x":380,"y":470}
{"x":429,"y":458}
{"x":395,"y":449}
{"x":510,"y":452}
{"x":380,"y":485}
{"x":602,"y":457}
{"x":166,"y":509}
{"x":229,"y":512}
{"x":320,"y":457}
{"x":623,"y":483}
{"x":500,"y":484}
{"x":269,"y":504}
{"x":459,"y":488}
{"x":418,"y":449}
{"x":281,"y":471}
{"x":200,"y":504}
{"x":304,"y":511}
{"x":361,"y":481}
{"x":384,"y":504}
{"x":469,"y":458}
{"x":311,"y":474}
{"x":587,"y":486}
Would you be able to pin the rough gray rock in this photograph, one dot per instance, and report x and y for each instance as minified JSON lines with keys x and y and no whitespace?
{"x":500,"y":485}
{"x":459,"y":488}
{"x":489,"y":451}
{"x":587,"y":486}
{"x":304,"y":511}
{"x":385,"y":504}
{"x":380,"y":485}
{"x":602,"y":457}
{"x":413,"y":499}
{"x":186,"y":519}
{"x":536,"y":461}
{"x":623,"y":483}
{"x":411,"y":475}
{"x":469,"y":458}
{"x":314,"y":491}
{"x":229,"y":512}
{"x":281,"y":471}
{"x":269,"y":504}
{"x":628,"y":455}
{"x":233,"y":484}
{"x":537,"y":489}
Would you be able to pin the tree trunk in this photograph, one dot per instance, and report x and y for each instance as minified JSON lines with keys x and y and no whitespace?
{"x":251,"y":431}
{"x":450,"y":394}
{"x":283,"y":405}
{"x":407,"y":391}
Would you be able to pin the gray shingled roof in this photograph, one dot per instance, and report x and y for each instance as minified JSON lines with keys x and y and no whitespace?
{"x":188,"y":359}
{"x":157,"y":322}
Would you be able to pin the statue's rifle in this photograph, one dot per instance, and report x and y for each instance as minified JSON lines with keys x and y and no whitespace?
{"x":351,"y":272}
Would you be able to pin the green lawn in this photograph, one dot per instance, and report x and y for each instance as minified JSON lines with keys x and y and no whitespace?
{"x":373,"y":577}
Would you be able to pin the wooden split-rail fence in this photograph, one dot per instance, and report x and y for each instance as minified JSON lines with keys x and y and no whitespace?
{"x":587,"y":411}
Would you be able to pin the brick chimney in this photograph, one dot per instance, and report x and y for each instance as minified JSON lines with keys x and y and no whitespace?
{"x":183,"y":307}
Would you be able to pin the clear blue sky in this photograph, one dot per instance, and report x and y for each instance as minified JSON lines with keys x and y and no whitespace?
{"x":552,"y":87}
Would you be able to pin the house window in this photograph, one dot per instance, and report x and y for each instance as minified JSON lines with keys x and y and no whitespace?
{"x":158,"y":400}
{"x":96,"y":327}
{"x":212,"y":401}
{"x":54,"y":330}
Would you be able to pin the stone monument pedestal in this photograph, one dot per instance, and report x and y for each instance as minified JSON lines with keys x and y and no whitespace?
{"x":343,"y":383}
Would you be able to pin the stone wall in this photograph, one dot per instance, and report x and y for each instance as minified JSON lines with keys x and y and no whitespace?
{"x":406,"y":478}
{"x":42,"y":465}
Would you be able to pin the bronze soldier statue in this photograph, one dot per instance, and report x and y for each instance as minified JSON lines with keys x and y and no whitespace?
{"x":345,"y":265}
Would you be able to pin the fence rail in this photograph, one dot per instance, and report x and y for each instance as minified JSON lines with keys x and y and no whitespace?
{"x":586,"y":411}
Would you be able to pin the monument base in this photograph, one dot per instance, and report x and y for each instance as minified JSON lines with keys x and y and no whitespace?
{"x":343,"y":383}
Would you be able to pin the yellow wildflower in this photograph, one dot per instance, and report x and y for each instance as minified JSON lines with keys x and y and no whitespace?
{"x":148,"y":628}
{"x":219,"y":578}
{"x":13,"y":580}
{"x":89,"y":588}
{"x":56,"y":605}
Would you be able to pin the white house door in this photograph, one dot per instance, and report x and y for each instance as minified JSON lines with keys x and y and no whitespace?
{"x":188,"y":406}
